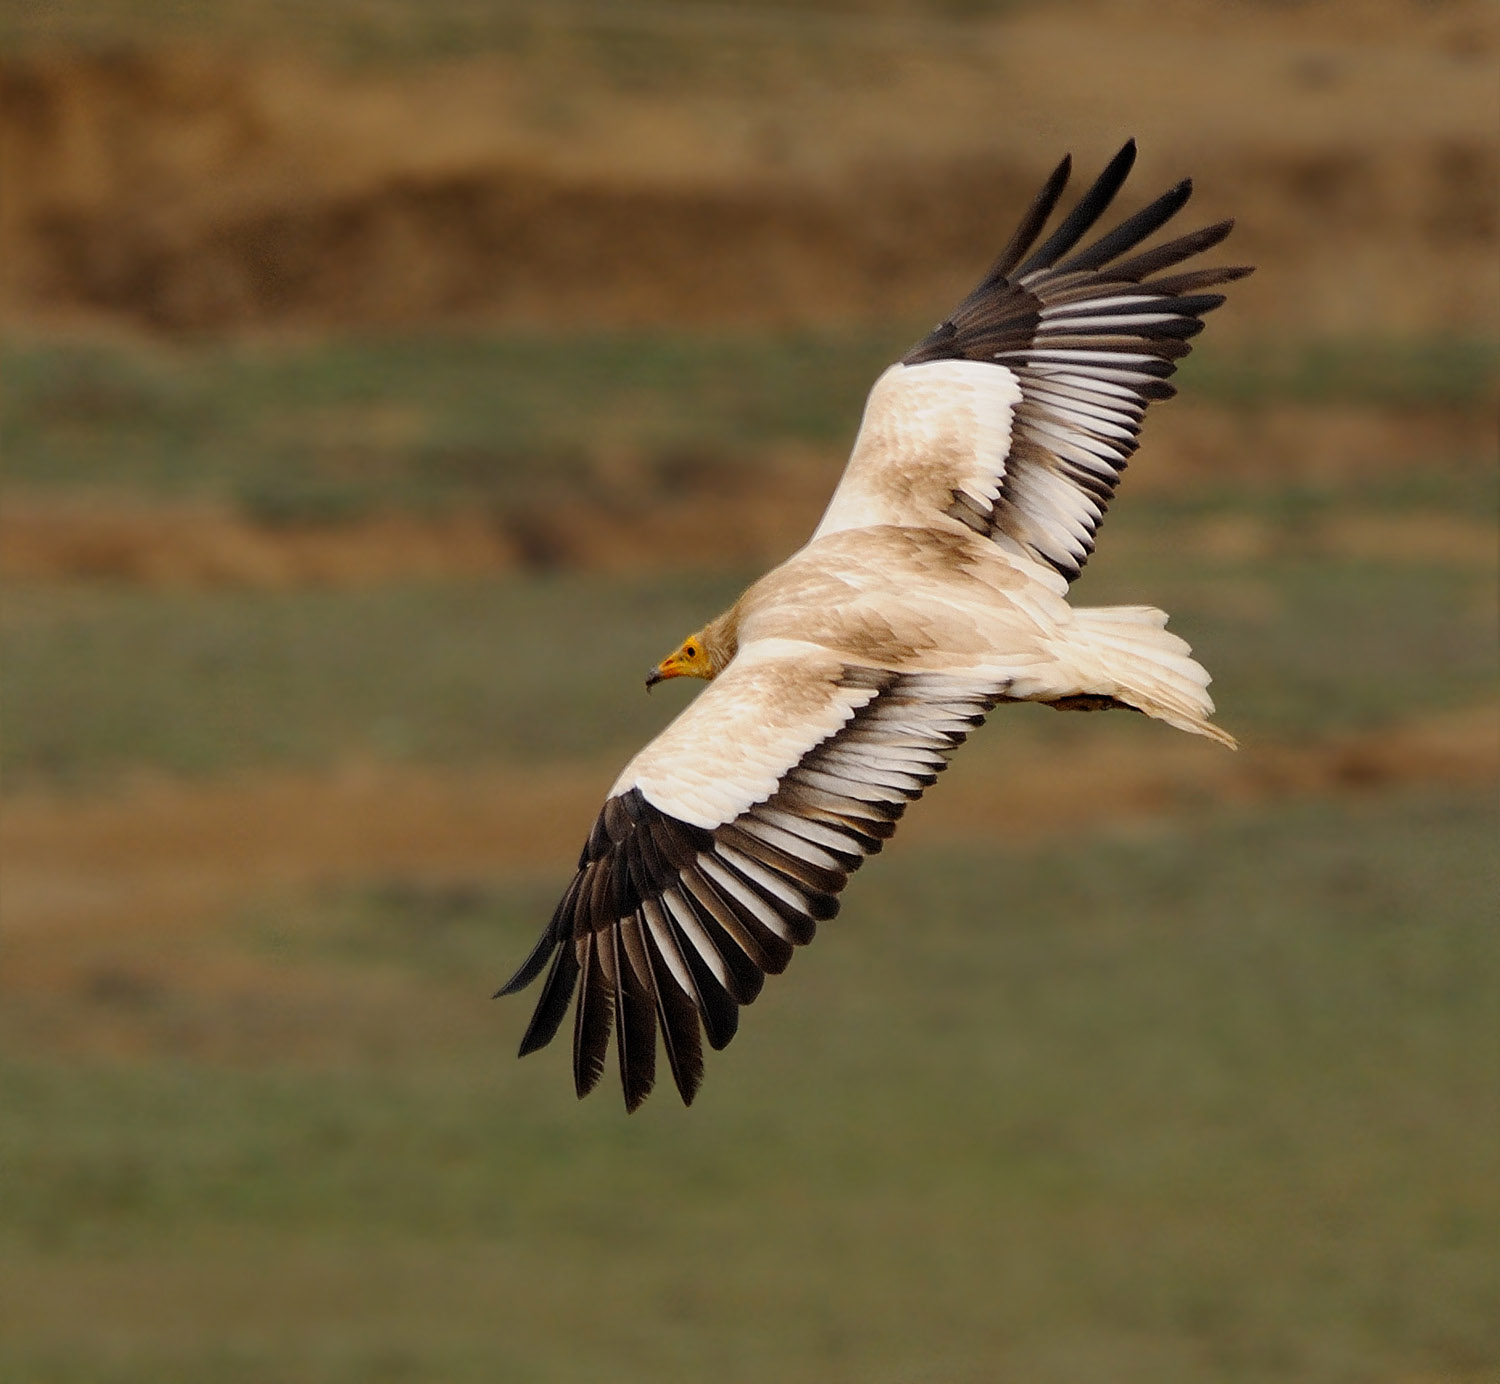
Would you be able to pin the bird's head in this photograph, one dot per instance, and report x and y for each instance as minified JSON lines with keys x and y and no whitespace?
{"x":701,"y":655}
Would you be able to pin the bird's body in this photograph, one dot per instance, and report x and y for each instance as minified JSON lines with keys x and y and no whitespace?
{"x":933,"y":589}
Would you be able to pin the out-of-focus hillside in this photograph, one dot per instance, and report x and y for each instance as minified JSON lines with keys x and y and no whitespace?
{"x":712,"y":166}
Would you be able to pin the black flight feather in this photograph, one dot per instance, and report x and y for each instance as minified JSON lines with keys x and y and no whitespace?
{"x":1091,"y":206}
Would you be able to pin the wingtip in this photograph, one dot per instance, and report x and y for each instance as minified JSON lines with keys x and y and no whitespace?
{"x":530,"y":1043}
{"x":534,"y":964}
{"x":1117,"y":170}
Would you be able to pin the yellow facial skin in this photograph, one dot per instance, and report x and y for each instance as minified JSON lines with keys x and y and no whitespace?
{"x":690,"y":660}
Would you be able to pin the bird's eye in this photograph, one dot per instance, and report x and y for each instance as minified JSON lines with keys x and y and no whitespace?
{"x":691,"y":651}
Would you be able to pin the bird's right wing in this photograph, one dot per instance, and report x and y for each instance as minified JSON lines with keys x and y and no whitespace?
{"x":1017,"y":414}
{"x":725,"y":842}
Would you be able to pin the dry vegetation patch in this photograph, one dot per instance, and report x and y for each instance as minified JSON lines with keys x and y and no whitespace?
{"x":737,"y":513}
{"x":163,"y":855}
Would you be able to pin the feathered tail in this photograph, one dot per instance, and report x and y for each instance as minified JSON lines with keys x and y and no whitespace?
{"x":1125,"y":653}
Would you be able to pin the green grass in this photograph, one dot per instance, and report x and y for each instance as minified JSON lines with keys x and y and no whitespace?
{"x":101,"y":680}
{"x":338,"y":427}
{"x":323,"y":431}
{"x":1458,"y":487}
{"x":1203,"y":1098}
{"x":1436,"y":373}
{"x":201,"y":682}
{"x":1210,"y":1101}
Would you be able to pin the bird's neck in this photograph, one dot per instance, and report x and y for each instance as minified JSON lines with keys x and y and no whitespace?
{"x":721,"y":638}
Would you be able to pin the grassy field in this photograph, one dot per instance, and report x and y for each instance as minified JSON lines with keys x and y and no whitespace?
{"x":1213,"y":1100}
{"x":1197,"y":1085}
{"x":328,"y":431}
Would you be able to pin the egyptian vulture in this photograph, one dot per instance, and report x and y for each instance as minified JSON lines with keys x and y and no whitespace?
{"x":932,"y":590}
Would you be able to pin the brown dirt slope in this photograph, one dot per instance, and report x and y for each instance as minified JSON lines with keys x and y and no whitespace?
{"x":802,"y":180}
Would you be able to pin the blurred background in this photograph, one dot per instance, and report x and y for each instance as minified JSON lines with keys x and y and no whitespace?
{"x":387,"y":382}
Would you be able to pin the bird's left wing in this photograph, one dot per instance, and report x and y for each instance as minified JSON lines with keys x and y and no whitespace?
{"x":1017,"y":414}
{"x":724,"y":843}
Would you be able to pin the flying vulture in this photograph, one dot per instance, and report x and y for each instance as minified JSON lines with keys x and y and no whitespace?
{"x":933,"y":589}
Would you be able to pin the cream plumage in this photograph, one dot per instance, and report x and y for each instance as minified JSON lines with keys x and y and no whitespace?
{"x":932,"y":590}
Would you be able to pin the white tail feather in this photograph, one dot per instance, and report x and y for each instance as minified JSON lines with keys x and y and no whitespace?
{"x":1126,"y":652}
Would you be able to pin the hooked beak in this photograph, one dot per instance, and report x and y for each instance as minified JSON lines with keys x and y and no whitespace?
{"x":654,"y":676}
